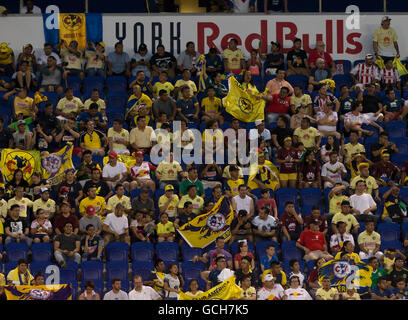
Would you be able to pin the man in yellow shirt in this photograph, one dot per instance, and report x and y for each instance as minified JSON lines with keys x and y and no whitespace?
{"x":309,"y":136}
{"x":137,"y":99}
{"x":93,"y":200}
{"x":169,"y":202}
{"x":185,"y":81}
{"x":95,"y":59}
{"x":369,"y":242}
{"x":233,"y":58}
{"x":168,"y":172}
{"x":211,"y":106}
{"x":347,"y":217}
{"x":192,"y":196}
{"x":20,"y":200}
{"x":336,"y":197}
{"x":351,"y":148}
{"x":326,"y":292}
{"x":45,"y":203}
{"x":119,"y":197}
{"x":118,"y":138}
{"x":93,"y":140}
{"x":69,"y":106}
{"x":7,"y":60}
{"x":370,"y":181}
{"x":21,"y":102}
{"x":300,"y":99}
{"x":96,"y":99}
{"x":72,"y":57}
{"x":162,"y":84}
{"x":232,"y":184}
{"x":385,"y":43}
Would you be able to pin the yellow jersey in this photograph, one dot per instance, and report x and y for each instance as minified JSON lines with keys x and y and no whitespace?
{"x":307,"y":136}
{"x":71,"y":59}
{"x":327,"y":295}
{"x":369,"y":241}
{"x":211,"y":107}
{"x":68,"y":106}
{"x":172,"y":208}
{"x":169,"y":171}
{"x":385,"y":39}
{"x":353,"y":256}
{"x":165,"y":228}
{"x":180,"y":83}
{"x":123,"y":134}
{"x":233,"y":57}
{"x":24,"y":203}
{"x":6,"y":55}
{"x":335,"y":203}
{"x":232,"y":186}
{"x":197,"y":202}
{"x":305,"y":99}
{"x":163,"y":86}
{"x":352,"y":149}
{"x":24,"y":106}
{"x":48,"y":207}
{"x":370,"y":182}
{"x":114,"y":200}
{"x":93,"y":140}
{"x":101,"y":104}
{"x":99,"y":204}
{"x":348,"y":219}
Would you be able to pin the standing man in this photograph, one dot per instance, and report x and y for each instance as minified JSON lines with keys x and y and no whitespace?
{"x":385,"y":43}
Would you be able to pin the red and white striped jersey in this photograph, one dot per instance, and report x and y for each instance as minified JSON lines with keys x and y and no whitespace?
{"x":389,"y":76}
{"x":319,"y":102}
{"x":366,"y":74}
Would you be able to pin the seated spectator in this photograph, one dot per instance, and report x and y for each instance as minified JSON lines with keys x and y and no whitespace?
{"x":398,"y":272}
{"x":45,"y":203}
{"x":21,"y":103}
{"x":377,"y":271}
{"x":116,"y":293}
{"x":382,"y":292}
{"x":347,"y":252}
{"x":327,"y":121}
{"x":254,"y":63}
{"x":313,"y":243}
{"x":318,"y":74}
{"x":346,"y":102}
{"x":394,"y":109}
{"x":96,"y":99}
{"x":140,"y":173}
{"x":265,"y":226}
{"x":164,"y":104}
{"x":187,"y":106}
{"x":369,"y":242}
{"x":264,"y":174}
{"x":185,"y":216}
{"x":168,"y":172}
{"x":69,"y":106}
{"x":92,"y":244}
{"x":72,"y":58}
{"x":37,"y":184}
{"x":323,"y":97}
{"x":16,"y":227}
{"x":24,"y":78}
{"x":309,"y":172}
{"x":291,"y":222}
{"x":394,"y":206}
{"x":299,"y":100}
{"x":92,"y":114}
{"x":96,"y":181}
{"x":248,"y":292}
{"x":66,"y":134}
{"x":212,"y":142}
{"x":333,"y":172}
{"x":313,"y":279}
{"x":193,"y":197}
{"x":95,"y":201}
{"x":370,"y":181}
{"x":295,"y":291}
{"x":169,"y":202}
{"x":165,"y":229}
{"x":389,"y":257}
{"x":23,"y":138}
{"x":118,"y":138}
{"x":211,"y":106}
{"x":316,"y":216}
{"x":213,"y":63}
{"x":116,"y":226}
{"x":372,"y":105}
{"x":295,"y":267}
{"x":89,"y":293}
{"x":143,"y":202}
{"x":187,"y":59}
{"x":233,"y":58}
{"x":389,"y":77}
{"x":192,"y":178}
{"x":279,"y":104}
{"x":246,"y":270}
{"x":51,"y":77}
{"x":385,"y":172}
{"x":332,"y":145}
{"x":267,"y":259}
{"x":173,"y":281}
{"x":20,"y":275}
{"x":211,"y":175}
{"x":215,"y":81}
{"x":365,"y":73}
{"x":143,"y":137}
{"x":67,"y":246}
{"x":346,"y":216}
{"x":143,"y":83}
{"x":352,"y":148}
{"x":320,"y":52}
{"x":363,"y":203}
{"x":243,"y":252}
{"x":141,"y":292}
{"x":119,"y":197}
{"x":243,"y":201}
{"x":271,"y":290}
{"x":400,"y":290}
{"x":137,"y":227}
{"x":141,"y":61}
{"x":298,"y":115}
{"x":326,"y":292}
{"x":350,"y":293}
{"x":69,"y":190}
{"x":92,"y":139}
{"x":309,"y":136}
{"x":19,"y":199}
{"x":66,"y":216}
{"x":43,"y":57}
{"x":280,"y":132}
{"x":42,"y":138}
{"x":95,"y":59}
{"x":382,"y":146}
{"x":163,"y":61}
{"x":337,"y":239}
{"x":297,"y":59}
{"x":90,"y":218}
{"x":261,"y":132}
{"x":118,"y":62}
{"x":354,"y":120}
{"x":232,"y":184}
{"x":211,"y":256}
{"x":115,"y":172}
{"x":241,"y":227}
{"x":7,"y":60}
{"x":276,"y":271}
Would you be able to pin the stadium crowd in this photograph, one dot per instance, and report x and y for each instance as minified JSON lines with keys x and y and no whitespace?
{"x":329,"y":182}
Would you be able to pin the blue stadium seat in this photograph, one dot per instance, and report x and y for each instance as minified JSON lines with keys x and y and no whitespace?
{"x":208,"y":193}
{"x":341,"y":79}
{"x":95,"y":82}
{"x":290,"y":251}
{"x":142,"y":251}
{"x":284,"y":195}
{"x":404,"y":193}
{"x":399,"y":159}
{"x":76,"y":161}
{"x":117,"y":269}
{"x":234,"y":247}
{"x":269,"y":77}
{"x":343,"y":67}
{"x":92,"y":270}
{"x":39,"y":266}
{"x":99,"y":286}
{"x":158,"y":193}
{"x":389,"y":231}
{"x":116,"y":100}
{"x":382,"y":190}
{"x":124,"y":285}
{"x":98,"y":159}
{"x":75,"y":290}
{"x":188,"y":252}
{"x":42,"y":252}
{"x":396,"y":129}
{"x":135,"y":193}
{"x":404,"y":230}
{"x":117,"y":251}
{"x":16,"y":251}
{"x":310,"y":196}
{"x":261,"y":247}
{"x":8,"y":266}
{"x":167,"y":251}
{"x":202,"y":284}
{"x":401,"y":143}
{"x":116,"y":84}
{"x":298,"y":79}
{"x":310,"y":265}
{"x":388,"y":244}
{"x":69,"y":274}
{"x":192,"y":270}
{"x":257,"y":193}
{"x":142,"y":268}
{"x":74,"y":82}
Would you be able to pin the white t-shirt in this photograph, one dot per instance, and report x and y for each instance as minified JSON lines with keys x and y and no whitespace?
{"x":254,"y":134}
{"x":276,"y":293}
{"x":121,"y":295}
{"x":298,"y":294}
{"x":110,"y":172}
{"x":147,"y":293}
{"x":243,"y":204}
{"x":320,"y":115}
{"x":300,"y":275}
{"x":36,"y":10}
{"x":241,"y":6}
{"x":265,"y":225}
{"x":362,"y":202}
{"x":333,"y":171}
{"x":336,"y":240}
{"x":358,"y":120}
{"x":117,"y":224}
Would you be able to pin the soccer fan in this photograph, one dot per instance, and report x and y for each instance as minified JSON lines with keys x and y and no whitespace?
{"x":393,"y":204}
{"x":24,"y":78}
{"x":267,"y":201}
{"x":21,"y":102}
{"x":333,"y":172}
{"x":297,"y":59}
{"x":102,"y":188}
{"x":366,"y":72}
{"x":277,"y":272}
{"x":275,"y":85}
{"x":295,"y":291}
{"x":93,"y":114}
{"x":92,"y":244}
{"x":141,"y":292}
{"x":45,"y":203}
{"x":90,"y":219}
{"x":140,"y":173}
{"x":370,"y":181}
{"x":316,"y":216}
{"x":287,"y":158}
{"x":67,"y":246}
{"x":118,"y":62}
{"x":187,"y":58}
{"x":363,"y":204}
{"x":389,"y":77}
{"x":116,"y":293}
{"x":309,"y":171}
{"x":337,"y":239}
{"x":118,"y":138}
{"x":165,"y":229}
{"x":163,"y":61}
{"x":320,"y":53}
{"x":95,"y":59}
{"x":23,"y":202}
{"x":291,"y":222}
{"x":116,"y":226}
{"x":372,"y":105}
{"x":309,"y":136}
{"x":347,"y":217}
{"x":385,"y":172}
{"x":72,"y":58}
{"x":168,"y":172}
{"x":95,"y":201}
{"x":273,"y":60}
{"x":385,"y":43}
{"x":394,"y":109}
{"x":243,"y":201}
{"x":115,"y":172}
{"x":382,"y":292}
{"x":280,"y":132}
{"x":241,"y":227}
{"x":164,"y":104}
{"x":369,"y":242}
{"x":141,"y":61}
{"x":233,"y":58}
{"x":265,"y":227}
{"x":173,"y":281}
{"x":143,"y":202}
{"x":323,"y":97}
{"x":16,"y":227}
{"x":326,"y":292}
{"x":169,"y":202}
{"x":93,"y":140}
{"x":327,"y":120}
{"x":193,"y":197}
{"x":134,"y":105}
{"x":41,"y":227}
{"x":20,"y":275}
{"x":271,"y":290}
{"x":346,"y":101}
{"x":183,"y":82}
{"x":318,"y":74}
{"x":51,"y":77}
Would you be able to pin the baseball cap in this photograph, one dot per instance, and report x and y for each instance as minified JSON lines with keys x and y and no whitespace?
{"x":64,"y":189}
{"x":287,"y":138}
{"x":169,"y":187}
{"x":102,"y":44}
{"x":385,"y":18}
{"x":43,"y":189}
{"x":369,"y":56}
{"x":113,"y":155}
{"x":19,"y":122}
{"x":276,"y":44}
{"x":268,"y":277}
{"x":138,"y":154}
{"x":90,"y":210}
{"x":258,"y":122}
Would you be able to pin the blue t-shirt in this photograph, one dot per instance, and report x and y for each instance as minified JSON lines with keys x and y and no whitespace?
{"x":187,"y":106}
{"x":141,"y":67}
{"x":118,"y":61}
{"x":393,"y":106}
{"x":213,"y":63}
{"x":213,"y":277}
{"x":266,"y":262}
{"x":387,"y":292}
{"x":404,"y":293}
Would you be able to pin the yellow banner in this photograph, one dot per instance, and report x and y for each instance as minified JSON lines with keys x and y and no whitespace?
{"x":46,"y":292}
{"x":55,"y":165}
{"x":241,"y":104}
{"x":13,"y":159}
{"x":206,"y":228}
{"x":72,"y":26}
{"x":226,"y":290}
{"x":129,"y":161}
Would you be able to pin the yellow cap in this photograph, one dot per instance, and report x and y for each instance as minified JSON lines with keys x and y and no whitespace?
{"x":102,"y":44}
{"x":169,"y":187}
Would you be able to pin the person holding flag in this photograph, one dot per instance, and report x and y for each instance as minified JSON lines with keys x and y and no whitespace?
{"x":263,"y":174}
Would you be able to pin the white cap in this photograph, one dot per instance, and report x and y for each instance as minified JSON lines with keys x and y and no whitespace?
{"x":369,"y":56}
{"x":268,"y":277}
{"x":385,"y":18}
{"x":258,"y":122}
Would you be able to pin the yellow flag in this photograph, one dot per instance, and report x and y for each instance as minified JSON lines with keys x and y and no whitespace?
{"x":55,"y":165}
{"x":241,"y":104}
{"x":206,"y":228}
{"x":13,"y":159}
{"x":72,"y":26}
{"x":129,"y":161}
{"x":397,"y":64}
{"x":46,"y":292}
{"x":226,"y":290}
{"x":380,"y":63}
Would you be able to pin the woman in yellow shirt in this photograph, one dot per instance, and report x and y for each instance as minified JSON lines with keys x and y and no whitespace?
{"x":248,"y":83}
{"x":347,"y":252}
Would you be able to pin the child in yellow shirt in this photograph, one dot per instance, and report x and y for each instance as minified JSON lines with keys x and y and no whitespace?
{"x":165,"y":229}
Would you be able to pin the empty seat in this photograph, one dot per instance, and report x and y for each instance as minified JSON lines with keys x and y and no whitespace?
{"x":396,"y":129}
{"x":191,"y":270}
{"x":389,"y":231}
{"x":117,"y":269}
{"x":142,"y":251}
{"x":342,"y":79}
{"x":42,"y":252}
{"x":310,"y":196}
{"x":388,"y":244}
{"x":92,"y":270}
{"x":116,"y":84}
{"x":8,"y":266}
{"x":74,"y":82}
{"x":284,"y":195}
{"x":116,"y":100}
{"x":290,"y":251}
{"x":94,"y":82}
{"x":39,"y":266}
{"x":342,"y":67}
{"x":298,"y":79}
{"x":188,"y":252}
{"x":399,"y":159}
{"x":143,"y":269}
{"x":167,"y":251}
{"x":117,"y":251}
{"x":16,"y":251}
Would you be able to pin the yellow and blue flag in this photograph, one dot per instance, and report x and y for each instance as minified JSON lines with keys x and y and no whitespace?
{"x":46,"y":292}
{"x":226,"y":290}
{"x":13,"y":159}
{"x":206,"y":228}
{"x":82,"y":27}
{"x":55,"y":165}
{"x":241,"y":104}
{"x":345,"y":272}
{"x":199,"y":66}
